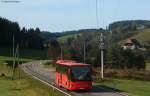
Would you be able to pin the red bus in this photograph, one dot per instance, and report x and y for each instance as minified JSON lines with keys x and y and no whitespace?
{"x":72,"y":75}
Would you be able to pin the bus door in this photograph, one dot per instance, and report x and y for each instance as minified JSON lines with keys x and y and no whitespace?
{"x":60,"y":78}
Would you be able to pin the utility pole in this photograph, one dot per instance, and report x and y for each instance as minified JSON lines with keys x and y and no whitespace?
{"x":102,"y":54}
{"x":101,"y":45}
{"x":84,"y":51}
{"x":17,"y":56}
{"x":13,"y":66}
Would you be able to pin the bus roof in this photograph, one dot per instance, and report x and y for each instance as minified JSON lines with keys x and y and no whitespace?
{"x":70,"y":63}
{"x":74,"y":64}
{"x":65,"y":61}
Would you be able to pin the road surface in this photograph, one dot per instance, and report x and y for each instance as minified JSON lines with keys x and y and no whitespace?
{"x":36,"y":69}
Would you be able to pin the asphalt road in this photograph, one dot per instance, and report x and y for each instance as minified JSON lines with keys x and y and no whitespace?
{"x":36,"y":69}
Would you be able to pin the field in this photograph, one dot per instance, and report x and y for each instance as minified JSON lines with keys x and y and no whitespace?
{"x":22,"y":85}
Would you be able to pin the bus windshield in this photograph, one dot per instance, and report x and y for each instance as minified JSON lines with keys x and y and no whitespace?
{"x":79,"y":73}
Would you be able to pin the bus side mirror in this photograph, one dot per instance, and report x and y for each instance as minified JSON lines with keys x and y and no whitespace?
{"x":69,"y":71}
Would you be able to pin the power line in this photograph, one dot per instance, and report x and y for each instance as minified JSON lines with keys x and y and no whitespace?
{"x":13,"y":66}
{"x":97,"y":16}
{"x":10,"y":1}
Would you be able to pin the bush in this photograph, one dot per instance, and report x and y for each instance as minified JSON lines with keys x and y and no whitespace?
{"x":117,"y":58}
{"x":3,"y":75}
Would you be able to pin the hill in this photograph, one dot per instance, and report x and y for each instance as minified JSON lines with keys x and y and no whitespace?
{"x":129,"y":25}
{"x":120,"y":29}
{"x":64,"y":35}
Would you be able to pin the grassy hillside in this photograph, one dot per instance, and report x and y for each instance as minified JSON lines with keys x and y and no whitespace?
{"x":129,"y":25}
{"x":142,"y":36}
{"x":63,"y":38}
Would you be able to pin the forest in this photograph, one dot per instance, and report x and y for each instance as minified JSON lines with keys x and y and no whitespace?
{"x":25,"y":38}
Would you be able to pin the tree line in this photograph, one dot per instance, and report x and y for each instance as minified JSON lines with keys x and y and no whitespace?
{"x":115,"y":56}
{"x":26,"y":38}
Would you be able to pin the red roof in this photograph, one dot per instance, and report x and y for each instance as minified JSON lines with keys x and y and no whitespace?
{"x":130,"y":41}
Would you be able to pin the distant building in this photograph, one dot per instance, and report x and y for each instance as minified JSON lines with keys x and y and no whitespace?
{"x":141,"y":27}
{"x":131,"y":44}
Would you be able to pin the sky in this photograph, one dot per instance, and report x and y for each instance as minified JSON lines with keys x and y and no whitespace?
{"x":65,"y":15}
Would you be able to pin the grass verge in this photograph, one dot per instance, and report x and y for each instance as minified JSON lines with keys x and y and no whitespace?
{"x":25,"y":86}
{"x":148,"y":66}
{"x":133,"y":87}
